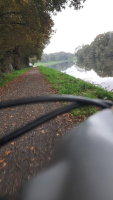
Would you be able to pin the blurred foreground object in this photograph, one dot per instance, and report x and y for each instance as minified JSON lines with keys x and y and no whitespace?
{"x":82,"y":167}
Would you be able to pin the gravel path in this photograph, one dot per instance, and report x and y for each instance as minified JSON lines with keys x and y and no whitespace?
{"x":29,"y":154}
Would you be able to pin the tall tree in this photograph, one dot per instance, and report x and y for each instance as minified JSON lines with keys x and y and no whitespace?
{"x":26,"y":27}
{"x":101,"y":47}
{"x":23,"y":25}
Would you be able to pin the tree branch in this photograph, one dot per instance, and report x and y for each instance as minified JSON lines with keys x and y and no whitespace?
{"x":7,"y":13}
{"x":22,"y":24}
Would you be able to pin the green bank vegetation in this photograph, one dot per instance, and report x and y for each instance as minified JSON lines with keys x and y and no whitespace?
{"x":58,"y":56}
{"x":11,"y":76}
{"x":50,"y":63}
{"x":65,"y":84}
{"x":73,"y":59}
{"x":54,"y":58}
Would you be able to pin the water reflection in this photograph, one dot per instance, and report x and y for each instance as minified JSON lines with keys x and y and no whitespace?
{"x":103,"y":67}
{"x":81,"y":73}
{"x":90,"y":76}
{"x":98,"y":72}
{"x":62,"y":66}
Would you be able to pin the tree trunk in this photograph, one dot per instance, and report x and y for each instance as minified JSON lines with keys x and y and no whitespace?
{"x":7,"y":64}
{"x":16,"y":59}
{"x":25,"y":62}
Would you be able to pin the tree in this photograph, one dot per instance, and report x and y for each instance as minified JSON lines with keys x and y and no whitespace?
{"x":56,"y":56}
{"x":101,"y":47}
{"x":23,"y":28}
{"x":26,"y":27}
{"x":58,"y":5}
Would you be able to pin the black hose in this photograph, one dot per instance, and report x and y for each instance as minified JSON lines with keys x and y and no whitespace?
{"x":80,"y":102}
{"x":36,"y":123}
{"x":18,"y":102}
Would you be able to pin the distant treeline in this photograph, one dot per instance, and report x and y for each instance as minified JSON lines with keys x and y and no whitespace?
{"x":101,"y":47}
{"x":56,"y":56}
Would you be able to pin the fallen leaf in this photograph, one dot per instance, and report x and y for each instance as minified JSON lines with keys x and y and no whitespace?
{"x":3,"y":165}
{"x":1,"y":161}
{"x":12,"y":143}
{"x":58,"y":117}
{"x":11,"y":116}
{"x":43,"y":131}
{"x":7,"y":153}
{"x":31,"y":148}
{"x":32,"y":159}
{"x":0,"y":180}
{"x":57,"y":134}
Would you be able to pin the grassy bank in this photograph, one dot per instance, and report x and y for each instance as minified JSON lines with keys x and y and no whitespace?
{"x":66,"y":84}
{"x":73,"y":59}
{"x":11,"y":76}
{"x":49,"y":63}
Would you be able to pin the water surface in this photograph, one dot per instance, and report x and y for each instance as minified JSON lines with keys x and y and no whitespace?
{"x":98,"y":72}
{"x":90,"y":76}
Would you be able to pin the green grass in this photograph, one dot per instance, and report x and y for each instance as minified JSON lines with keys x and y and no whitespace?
{"x":65,"y":84}
{"x":73,"y":59}
{"x":50,"y":63}
{"x":11,"y":76}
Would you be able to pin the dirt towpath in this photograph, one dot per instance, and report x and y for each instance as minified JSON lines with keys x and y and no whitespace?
{"x":29,"y":154}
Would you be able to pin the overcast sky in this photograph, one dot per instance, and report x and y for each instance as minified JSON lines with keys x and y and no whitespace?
{"x":74,"y":28}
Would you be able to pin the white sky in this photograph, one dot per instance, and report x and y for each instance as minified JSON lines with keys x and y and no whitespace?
{"x":74,"y":28}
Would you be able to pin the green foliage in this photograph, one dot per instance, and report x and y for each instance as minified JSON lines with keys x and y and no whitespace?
{"x":49,"y":63}
{"x":11,"y":76}
{"x":26,"y":28}
{"x":58,"y":5}
{"x":56,"y":57}
{"x":66,"y":84}
{"x":101,"y":47}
